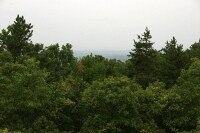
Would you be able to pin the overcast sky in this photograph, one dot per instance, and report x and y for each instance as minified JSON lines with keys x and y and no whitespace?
{"x":106,"y":24}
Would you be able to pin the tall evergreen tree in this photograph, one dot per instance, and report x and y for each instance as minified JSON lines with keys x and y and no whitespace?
{"x":16,"y":38}
{"x":174,"y":61}
{"x":142,"y":59}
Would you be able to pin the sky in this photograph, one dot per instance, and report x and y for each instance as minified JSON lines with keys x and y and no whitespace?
{"x":106,"y":24}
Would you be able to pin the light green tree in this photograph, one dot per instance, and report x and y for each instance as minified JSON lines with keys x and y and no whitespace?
{"x":111,"y":106}
{"x":182,"y":109}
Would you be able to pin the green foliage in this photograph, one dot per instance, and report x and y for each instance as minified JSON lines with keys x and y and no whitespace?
{"x":175,"y":60}
{"x":97,"y":67}
{"x":48,"y":90}
{"x":194,"y":50}
{"x":110,"y":106}
{"x":142,"y":60}
{"x":5,"y":57}
{"x":151,"y":105}
{"x":58,"y":62}
{"x":183,"y":103}
{"x":7,"y":131}
{"x":93,"y":68}
{"x":43,"y":125}
{"x":16,"y":38}
{"x":23,"y":91}
{"x":26,"y":98}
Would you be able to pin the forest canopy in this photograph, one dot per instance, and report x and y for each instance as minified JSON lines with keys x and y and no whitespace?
{"x":49,"y":90}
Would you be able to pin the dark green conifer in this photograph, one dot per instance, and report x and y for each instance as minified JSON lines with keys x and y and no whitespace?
{"x":16,"y":38}
{"x":142,"y":58}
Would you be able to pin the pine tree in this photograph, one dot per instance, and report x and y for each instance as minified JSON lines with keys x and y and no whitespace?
{"x":174,"y":61}
{"x":142,"y":59}
{"x":16,"y":38}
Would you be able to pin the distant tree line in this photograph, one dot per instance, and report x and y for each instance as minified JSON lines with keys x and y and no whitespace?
{"x":48,"y":90}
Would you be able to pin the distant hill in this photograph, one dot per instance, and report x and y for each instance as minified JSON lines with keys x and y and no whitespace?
{"x":119,"y":55}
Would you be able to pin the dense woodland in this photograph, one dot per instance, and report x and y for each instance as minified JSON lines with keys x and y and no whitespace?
{"x":48,"y":90}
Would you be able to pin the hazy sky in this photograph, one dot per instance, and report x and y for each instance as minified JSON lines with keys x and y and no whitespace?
{"x":106,"y":24}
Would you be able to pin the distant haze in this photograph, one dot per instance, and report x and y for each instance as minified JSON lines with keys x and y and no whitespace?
{"x":106,"y":24}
